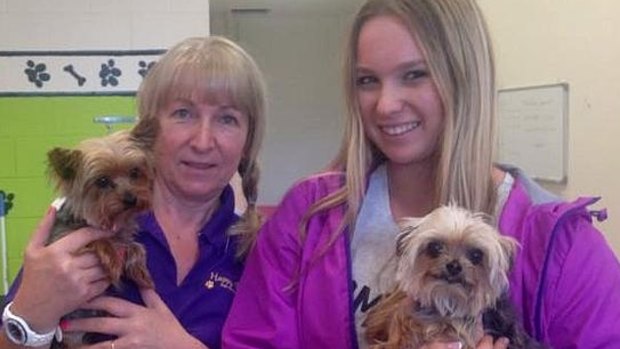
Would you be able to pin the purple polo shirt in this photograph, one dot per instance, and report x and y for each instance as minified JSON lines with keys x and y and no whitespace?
{"x":202,"y":301}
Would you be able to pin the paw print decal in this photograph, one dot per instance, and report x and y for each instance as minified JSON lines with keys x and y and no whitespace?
{"x":210,"y":284}
{"x":36,"y":73}
{"x":144,"y":67}
{"x":6,"y":202}
{"x":109,"y":74}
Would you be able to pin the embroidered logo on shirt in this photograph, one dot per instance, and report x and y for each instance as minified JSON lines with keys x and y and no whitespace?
{"x":217,"y":280}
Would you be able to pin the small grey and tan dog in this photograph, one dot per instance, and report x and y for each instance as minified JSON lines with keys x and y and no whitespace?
{"x":452,"y":276}
{"x":105,"y":182}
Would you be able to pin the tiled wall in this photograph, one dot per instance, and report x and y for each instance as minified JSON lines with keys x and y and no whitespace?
{"x":30,"y":127}
{"x":96,"y":24}
{"x":32,"y":124}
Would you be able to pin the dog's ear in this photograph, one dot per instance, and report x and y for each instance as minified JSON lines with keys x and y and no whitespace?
{"x":487,"y":218}
{"x":63,"y":164}
{"x":500,"y":268}
{"x":509,"y":247}
{"x":401,"y":240}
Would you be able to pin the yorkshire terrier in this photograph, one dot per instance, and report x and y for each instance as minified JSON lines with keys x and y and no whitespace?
{"x":452,"y":274}
{"x":105,"y":182}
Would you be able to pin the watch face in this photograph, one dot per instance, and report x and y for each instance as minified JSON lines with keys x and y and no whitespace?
{"x":16,"y":332}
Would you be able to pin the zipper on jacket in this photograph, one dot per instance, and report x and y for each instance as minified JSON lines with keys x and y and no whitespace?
{"x":538,"y":328}
{"x":352,"y":326}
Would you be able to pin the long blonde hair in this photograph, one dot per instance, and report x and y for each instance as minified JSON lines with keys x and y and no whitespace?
{"x":454,"y":38}
{"x":214,"y":67}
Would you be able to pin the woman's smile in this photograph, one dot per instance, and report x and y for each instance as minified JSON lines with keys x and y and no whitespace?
{"x":400,"y":129}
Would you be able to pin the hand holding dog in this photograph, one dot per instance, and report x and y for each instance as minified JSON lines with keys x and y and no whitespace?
{"x":485,"y":343}
{"x":147,"y":327}
{"x":52,"y":272}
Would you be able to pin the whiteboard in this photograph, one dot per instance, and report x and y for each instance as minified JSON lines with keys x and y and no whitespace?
{"x":533,"y":130}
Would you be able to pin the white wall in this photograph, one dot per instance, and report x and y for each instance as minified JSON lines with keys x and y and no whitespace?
{"x":537,"y":42}
{"x":574,"y":41}
{"x":299,"y":53}
{"x":100,"y":25}
{"x":91,"y":25}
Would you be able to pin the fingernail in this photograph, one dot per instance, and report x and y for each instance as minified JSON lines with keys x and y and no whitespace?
{"x":503,"y":341}
{"x":57,"y":204}
{"x":64,"y":324}
{"x":455,"y":345}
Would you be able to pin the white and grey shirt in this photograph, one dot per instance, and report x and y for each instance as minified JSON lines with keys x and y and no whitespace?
{"x":374,"y":243}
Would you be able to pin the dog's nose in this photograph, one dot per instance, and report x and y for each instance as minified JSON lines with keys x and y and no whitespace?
{"x":129,"y":200}
{"x":454,"y":268}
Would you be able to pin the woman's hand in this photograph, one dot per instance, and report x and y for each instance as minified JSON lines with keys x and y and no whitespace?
{"x":485,"y":343}
{"x":56,"y":281}
{"x":443,"y":345}
{"x":146,"y":327}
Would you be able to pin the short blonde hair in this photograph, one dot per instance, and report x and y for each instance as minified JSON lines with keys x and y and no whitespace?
{"x":209,"y":68}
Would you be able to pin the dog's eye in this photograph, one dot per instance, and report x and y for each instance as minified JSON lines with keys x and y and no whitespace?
{"x":434,"y":249}
{"x":103,"y":182}
{"x":134,"y":173}
{"x":475,"y":256}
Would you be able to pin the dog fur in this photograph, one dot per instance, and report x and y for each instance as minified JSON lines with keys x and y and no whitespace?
{"x":106,"y":181}
{"x":451,"y":278}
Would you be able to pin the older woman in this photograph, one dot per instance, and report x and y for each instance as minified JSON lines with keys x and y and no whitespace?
{"x":201,"y":118}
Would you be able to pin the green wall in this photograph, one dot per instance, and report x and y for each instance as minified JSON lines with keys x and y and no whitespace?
{"x":29,"y":127}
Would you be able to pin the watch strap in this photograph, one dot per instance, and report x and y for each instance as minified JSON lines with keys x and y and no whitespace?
{"x":30,"y":338}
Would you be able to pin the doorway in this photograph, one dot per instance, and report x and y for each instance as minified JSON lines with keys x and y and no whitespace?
{"x":298,"y":46}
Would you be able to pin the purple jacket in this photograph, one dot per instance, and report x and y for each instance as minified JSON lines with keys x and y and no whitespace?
{"x":565,"y":280}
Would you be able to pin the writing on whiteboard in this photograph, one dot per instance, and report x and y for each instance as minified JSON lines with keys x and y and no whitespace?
{"x":533,"y":129}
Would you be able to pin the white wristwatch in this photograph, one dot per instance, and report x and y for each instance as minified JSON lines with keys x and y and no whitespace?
{"x":19,"y":332}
